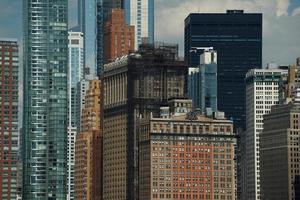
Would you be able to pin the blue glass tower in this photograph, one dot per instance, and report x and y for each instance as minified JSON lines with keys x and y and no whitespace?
{"x":237,"y":37}
{"x":45,"y":99}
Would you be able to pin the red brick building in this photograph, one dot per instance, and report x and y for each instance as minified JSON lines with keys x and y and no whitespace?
{"x":9,"y":69}
{"x":186,"y":156}
{"x":118,"y":37}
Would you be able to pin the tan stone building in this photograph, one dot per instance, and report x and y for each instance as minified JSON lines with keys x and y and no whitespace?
{"x":88,"y":147}
{"x":118,"y":37}
{"x":185,"y":155}
{"x":134,"y":85}
{"x":280,"y":153}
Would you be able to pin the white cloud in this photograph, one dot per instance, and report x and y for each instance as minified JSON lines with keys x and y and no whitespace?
{"x":296,"y":11}
{"x":282,"y":7}
{"x":280,"y":40}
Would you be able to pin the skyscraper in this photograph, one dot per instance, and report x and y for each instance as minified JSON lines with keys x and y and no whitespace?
{"x":280,"y":152}
{"x":76,"y":73}
{"x":87,"y":22}
{"x":140,"y":14}
{"x":237,"y":37}
{"x":45,"y":99}
{"x":186,"y":155}
{"x":203,"y":82}
{"x":88,"y":167}
{"x":262,"y":91}
{"x":9,"y":132}
{"x":118,"y":37}
{"x":134,"y":85}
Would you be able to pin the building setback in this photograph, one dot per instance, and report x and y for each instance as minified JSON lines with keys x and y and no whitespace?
{"x":135,"y":85}
{"x":9,"y":132}
{"x":76,"y":72}
{"x":280,"y":154}
{"x":237,"y":37}
{"x":88,"y":148}
{"x":118,"y":37}
{"x":186,"y":155}
{"x":262,"y":92}
{"x":45,"y":99}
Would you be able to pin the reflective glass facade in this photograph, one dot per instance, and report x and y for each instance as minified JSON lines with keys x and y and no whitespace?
{"x":87,"y":21}
{"x":45,"y":99}
{"x":237,"y":37}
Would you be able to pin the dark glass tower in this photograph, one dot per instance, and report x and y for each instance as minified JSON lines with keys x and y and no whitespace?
{"x":237,"y":37}
{"x":45,"y":99}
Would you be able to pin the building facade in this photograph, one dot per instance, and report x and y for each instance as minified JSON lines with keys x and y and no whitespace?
{"x":134,"y":85}
{"x":9,"y":130}
{"x":87,"y":22}
{"x":88,"y":148}
{"x":262,"y":92}
{"x":118,"y":37}
{"x":45,"y":99}
{"x":140,"y":14}
{"x":237,"y":37}
{"x":203,"y":82}
{"x":76,"y":73}
{"x":280,"y":154}
{"x":186,"y":155}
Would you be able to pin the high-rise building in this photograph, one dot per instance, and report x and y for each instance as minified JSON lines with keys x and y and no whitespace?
{"x":186,"y":155}
{"x":76,"y":72}
{"x":202,"y":81}
{"x":280,"y":153}
{"x":134,"y":85}
{"x":118,"y":37}
{"x":262,"y":91}
{"x":82,"y":87}
{"x":140,"y":14}
{"x":237,"y":37}
{"x":45,"y":99}
{"x":87,"y":22}
{"x":9,"y":131}
{"x":88,"y":149}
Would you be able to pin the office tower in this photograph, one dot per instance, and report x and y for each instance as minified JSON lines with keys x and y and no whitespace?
{"x":82,"y":87}
{"x":237,"y":37}
{"x":186,"y":155}
{"x":140,"y":14}
{"x":76,"y":71}
{"x":9,"y":132}
{"x":87,"y":22}
{"x":134,"y":85}
{"x":203,"y":82}
{"x":88,"y":162}
{"x":261,"y":93}
{"x":45,"y":99}
{"x":118,"y":37}
{"x":280,"y":154}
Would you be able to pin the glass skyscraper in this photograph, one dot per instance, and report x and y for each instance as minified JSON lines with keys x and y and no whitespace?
{"x":87,"y":21}
{"x":202,"y":82}
{"x":76,"y":74}
{"x":140,"y":13}
{"x":237,"y":37}
{"x":45,"y":99}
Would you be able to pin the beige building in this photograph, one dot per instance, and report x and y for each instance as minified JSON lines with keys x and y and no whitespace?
{"x":135,"y":85}
{"x":280,"y":154}
{"x":185,"y":155}
{"x":88,"y":147}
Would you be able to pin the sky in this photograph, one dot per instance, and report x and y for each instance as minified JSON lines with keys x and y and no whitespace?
{"x":281,"y":25}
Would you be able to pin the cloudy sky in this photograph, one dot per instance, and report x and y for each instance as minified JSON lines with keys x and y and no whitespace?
{"x":281,"y":35}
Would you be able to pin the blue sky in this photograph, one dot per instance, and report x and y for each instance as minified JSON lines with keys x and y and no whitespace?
{"x":281,"y":38}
